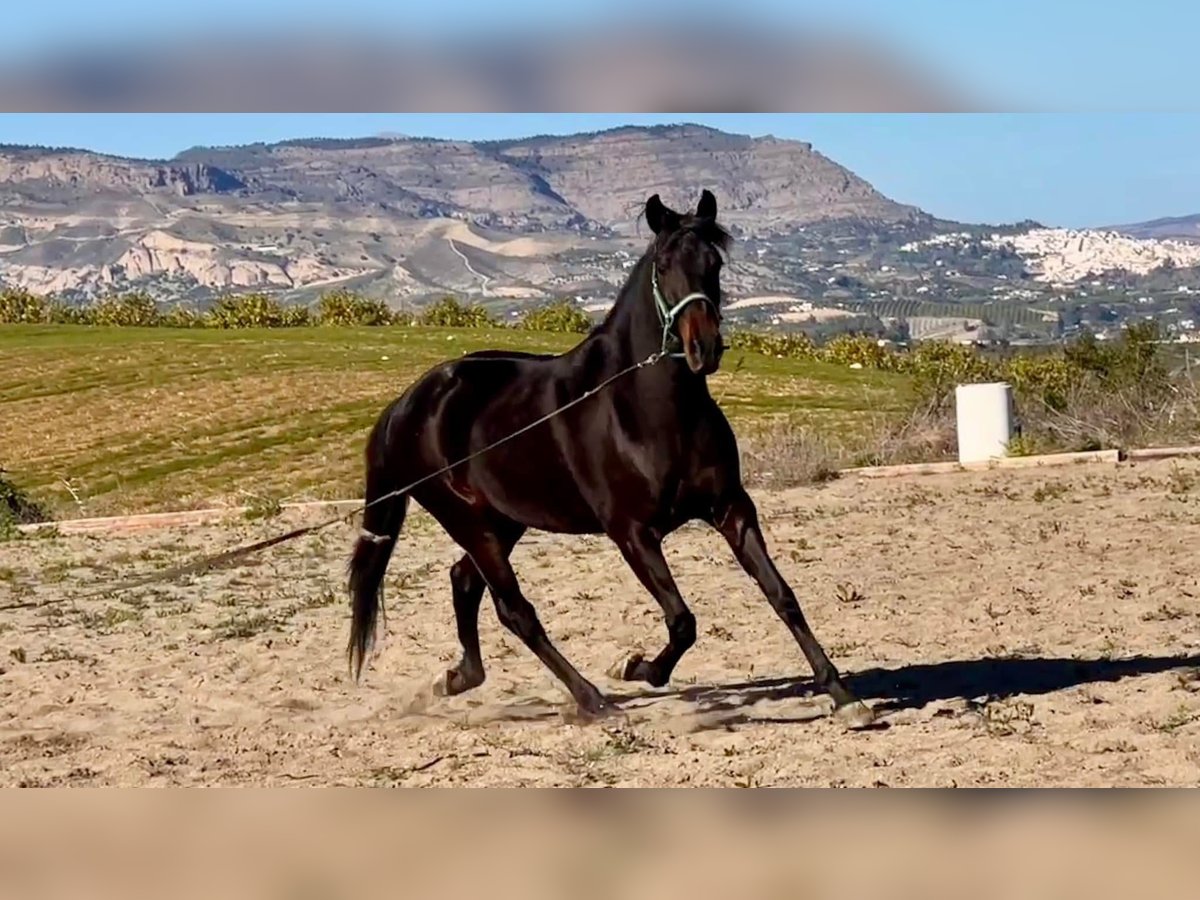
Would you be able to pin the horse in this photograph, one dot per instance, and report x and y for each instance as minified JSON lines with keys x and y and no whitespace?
{"x":634,"y":462}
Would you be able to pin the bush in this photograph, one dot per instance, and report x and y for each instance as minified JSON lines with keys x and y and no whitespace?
{"x":937,"y":367}
{"x":135,"y":310}
{"x":1132,"y":361}
{"x":865,"y":351}
{"x":342,"y":308}
{"x":182,"y":317}
{"x":449,"y":313}
{"x":781,"y":346}
{"x":1045,"y":380}
{"x":296,"y":317}
{"x":16,"y":508}
{"x":67,"y":314}
{"x":1057,"y":380}
{"x":563,"y":317}
{"x":20,"y":307}
{"x":255,"y":311}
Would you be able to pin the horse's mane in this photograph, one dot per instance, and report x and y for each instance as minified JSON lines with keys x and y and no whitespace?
{"x":707,"y":229}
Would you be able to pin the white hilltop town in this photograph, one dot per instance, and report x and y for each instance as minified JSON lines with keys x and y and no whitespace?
{"x":1067,"y":255}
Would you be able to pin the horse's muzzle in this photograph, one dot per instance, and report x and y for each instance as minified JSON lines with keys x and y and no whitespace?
{"x":704,"y":354}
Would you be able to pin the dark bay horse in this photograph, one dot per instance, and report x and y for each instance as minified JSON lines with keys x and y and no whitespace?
{"x":634,"y":462}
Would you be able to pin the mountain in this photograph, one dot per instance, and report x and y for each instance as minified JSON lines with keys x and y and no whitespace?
{"x":400,"y":217}
{"x":517,"y":222}
{"x":1179,"y":228}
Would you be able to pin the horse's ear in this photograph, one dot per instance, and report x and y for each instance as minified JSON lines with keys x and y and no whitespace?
{"x":659,"y":217}
{"x":707,"y":209}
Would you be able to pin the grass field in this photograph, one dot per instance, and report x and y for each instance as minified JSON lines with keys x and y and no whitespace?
{"x":97,"y":421}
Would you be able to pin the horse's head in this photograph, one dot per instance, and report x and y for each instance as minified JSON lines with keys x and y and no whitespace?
{"x":687,"y":267}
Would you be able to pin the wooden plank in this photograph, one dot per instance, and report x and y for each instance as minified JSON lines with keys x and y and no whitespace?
{"x":1163,"y":452}
{"x":1009,"y":462}
{"x":905,"y":469}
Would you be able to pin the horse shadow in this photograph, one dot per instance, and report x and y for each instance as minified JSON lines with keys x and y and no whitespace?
{"x":917,"y":685}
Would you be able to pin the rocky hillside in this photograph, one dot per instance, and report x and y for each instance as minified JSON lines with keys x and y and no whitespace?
{"x":763,"y":184}
{"x":510,"y":223}
{"x":404,"y":218}
{"x":61,"y":175}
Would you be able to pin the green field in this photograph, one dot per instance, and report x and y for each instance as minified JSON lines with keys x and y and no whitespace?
{"x":996,"y":312}
{"x":102,"y":421}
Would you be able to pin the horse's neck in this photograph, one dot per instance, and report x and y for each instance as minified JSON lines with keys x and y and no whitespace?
{"x":633,"y":327}
{"x":633,"y":331}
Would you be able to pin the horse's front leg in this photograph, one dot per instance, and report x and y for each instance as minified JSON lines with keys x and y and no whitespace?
{"x":642,"y":548}
{"x":737,"y":520}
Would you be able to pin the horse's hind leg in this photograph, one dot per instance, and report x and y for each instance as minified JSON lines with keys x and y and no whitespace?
{"x":468,"y":586}
{"x":490,"y":555}
{"x":642,"y":549}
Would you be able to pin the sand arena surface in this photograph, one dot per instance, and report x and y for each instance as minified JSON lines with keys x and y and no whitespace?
{"x":1014,"y":627}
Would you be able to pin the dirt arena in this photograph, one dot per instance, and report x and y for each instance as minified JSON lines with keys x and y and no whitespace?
{"x":1014,"y":627}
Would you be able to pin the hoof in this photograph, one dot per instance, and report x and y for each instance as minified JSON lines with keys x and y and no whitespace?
{"x":441,"y":686}
{"x":607,"y":712}
{"x":628,"y":668}
{"x":595,"y":708}
{"x":854,"y":716}
{"x":455,"y":682}
{"x":617,"y":669}
{"x":634,"y":668}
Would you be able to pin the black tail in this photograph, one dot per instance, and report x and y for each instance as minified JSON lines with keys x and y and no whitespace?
{"x":381,"y":526}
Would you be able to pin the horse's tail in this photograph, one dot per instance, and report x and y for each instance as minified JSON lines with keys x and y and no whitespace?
{"x":381,"y":526}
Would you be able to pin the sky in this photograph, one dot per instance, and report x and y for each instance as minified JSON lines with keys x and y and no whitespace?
{"x":1070,"y":170}
{"x":1116,"y":146}
{"x":1111,"y":54}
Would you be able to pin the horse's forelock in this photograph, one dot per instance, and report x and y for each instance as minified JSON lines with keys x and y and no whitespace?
{"x":705,"y":228}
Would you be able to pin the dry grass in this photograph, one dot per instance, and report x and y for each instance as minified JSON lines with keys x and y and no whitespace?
{"x":787,"y":453}
{"x":113,"y":421}
{"x":925,"y":435}
{"x":1094,"y":418}
{"x":784,"y":454}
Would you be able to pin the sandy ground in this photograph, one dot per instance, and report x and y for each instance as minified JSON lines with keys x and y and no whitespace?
{"x":1018,"y":627}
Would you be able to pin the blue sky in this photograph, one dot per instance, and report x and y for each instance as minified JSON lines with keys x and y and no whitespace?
{"x":1061,"y":169}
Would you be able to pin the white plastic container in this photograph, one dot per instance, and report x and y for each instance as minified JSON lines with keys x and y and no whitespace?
{"x":984,"y":421}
